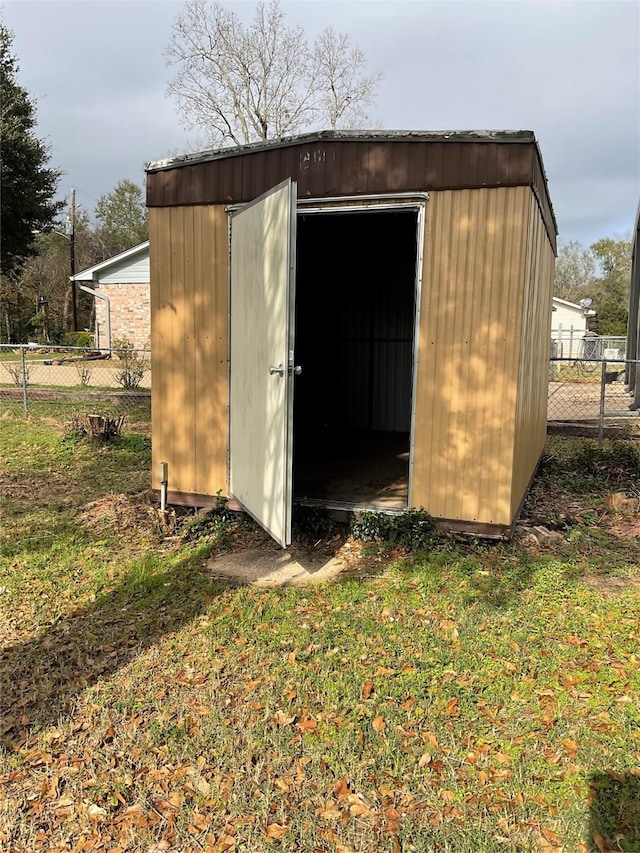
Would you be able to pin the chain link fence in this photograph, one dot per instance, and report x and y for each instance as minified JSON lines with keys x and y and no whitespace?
{"x":39,"y":378}
{"x":580,"y":345}
{"x":593,"y":392}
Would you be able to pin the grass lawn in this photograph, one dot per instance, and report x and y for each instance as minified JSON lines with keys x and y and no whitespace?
{"x":469,"y":697}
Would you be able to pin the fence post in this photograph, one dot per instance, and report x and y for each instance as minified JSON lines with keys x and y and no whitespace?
{"x":23,"y":364}
{"x":603,"y":379}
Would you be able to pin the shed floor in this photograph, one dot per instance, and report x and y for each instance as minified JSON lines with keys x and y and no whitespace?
{"x":370,"y":468}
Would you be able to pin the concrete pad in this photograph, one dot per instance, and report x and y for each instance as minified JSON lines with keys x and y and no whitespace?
{"x":267,"y":567}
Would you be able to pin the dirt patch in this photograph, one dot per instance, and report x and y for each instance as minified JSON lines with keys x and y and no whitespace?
{"x":122,"y":512}
{"x":265,"y":564}
{"x":612,"y":584}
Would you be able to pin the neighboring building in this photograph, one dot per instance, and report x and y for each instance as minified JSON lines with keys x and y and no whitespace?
{"x":400,"y":281}
{"x":569,"y":323}
{"x":124,"y":280}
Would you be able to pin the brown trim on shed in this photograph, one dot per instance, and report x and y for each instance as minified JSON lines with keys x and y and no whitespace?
{"x":328,"y":165}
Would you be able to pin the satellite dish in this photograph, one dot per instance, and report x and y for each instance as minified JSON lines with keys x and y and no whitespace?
{"x":585,"y":304}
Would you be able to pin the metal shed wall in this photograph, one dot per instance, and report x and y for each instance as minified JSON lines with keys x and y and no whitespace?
{"x":480,"y":403}
{"x":474,"y":259}
{"x":189,"y":307}
{"x":533,"y":330}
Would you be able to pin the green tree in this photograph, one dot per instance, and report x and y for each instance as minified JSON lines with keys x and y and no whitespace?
{"x":602,"y":273}
{"x":122,"y":219}
{"x":575,"y":272}
{"x":611,"y":291}
{"x":27,"y":184}
{"x":46,"y":274}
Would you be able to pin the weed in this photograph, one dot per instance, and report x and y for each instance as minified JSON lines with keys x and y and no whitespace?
{"x":580,"y":466}
{"x":314,"y":522}
{"x":413,"y":529}
{"x":15,"y":371}
{"x":216,"y":523}
{"x":84,"y":372}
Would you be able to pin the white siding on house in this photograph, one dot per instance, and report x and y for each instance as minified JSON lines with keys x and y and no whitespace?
{"x":135,"y":270}
{"x":568,"y":326}
{"x":124,"y":279}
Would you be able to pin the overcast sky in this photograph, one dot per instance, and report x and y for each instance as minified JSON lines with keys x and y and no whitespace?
{"x":570,"y":71}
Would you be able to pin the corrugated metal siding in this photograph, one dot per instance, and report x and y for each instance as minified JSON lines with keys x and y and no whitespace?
{"x":541,"y":191}
{"x":188,"y":264}
{"x":533,"y":376}
{"x":131,"y":272}
{"x":331,"y":167}
{"x":474,"y":256}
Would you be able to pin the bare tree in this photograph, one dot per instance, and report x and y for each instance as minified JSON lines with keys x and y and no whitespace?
{"x":242,"y":84}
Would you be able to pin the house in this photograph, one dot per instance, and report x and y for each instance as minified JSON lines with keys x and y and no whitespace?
{"x":354,"y":319}
{"x":121,"y":287}
{"x":569,"y":323}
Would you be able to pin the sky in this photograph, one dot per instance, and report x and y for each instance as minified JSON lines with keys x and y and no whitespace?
{"x":569,"y":70}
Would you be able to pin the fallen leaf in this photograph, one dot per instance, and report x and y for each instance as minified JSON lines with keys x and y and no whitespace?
{"x":276,"y":831}
{"x":200,"y":821}
{"x":367,"y":689}
{"x":95,"y":811}
{"x":431,"y":739}
{"x":378,"y":724}
{"x":549,"y":835}
{"x":452,"y":709}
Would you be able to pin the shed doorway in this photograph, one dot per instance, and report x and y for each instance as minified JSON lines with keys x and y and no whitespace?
{"x":355,"y":319}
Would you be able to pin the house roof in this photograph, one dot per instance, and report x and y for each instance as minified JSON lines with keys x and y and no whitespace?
{"x":89,"y":273}
{"x":588,"y":312}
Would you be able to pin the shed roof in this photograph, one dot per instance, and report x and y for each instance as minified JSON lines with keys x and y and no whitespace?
{"x":344,"y":136}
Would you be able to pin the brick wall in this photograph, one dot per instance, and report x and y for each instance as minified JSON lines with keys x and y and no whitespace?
{"x":130,"y":313}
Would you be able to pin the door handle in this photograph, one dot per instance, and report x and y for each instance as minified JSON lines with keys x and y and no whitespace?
{"x":297,"y":370}
{"x":279,"y":370}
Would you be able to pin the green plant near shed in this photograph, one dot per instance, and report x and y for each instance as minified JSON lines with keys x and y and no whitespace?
{"x":413,"y":530}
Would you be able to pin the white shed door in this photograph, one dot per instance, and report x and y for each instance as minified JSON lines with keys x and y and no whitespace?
{"x":261,"y":367}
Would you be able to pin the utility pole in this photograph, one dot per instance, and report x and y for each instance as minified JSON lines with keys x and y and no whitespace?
{"x":72,"y":256}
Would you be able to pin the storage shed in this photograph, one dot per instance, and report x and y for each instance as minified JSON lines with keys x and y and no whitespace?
{"x":353,"y":319}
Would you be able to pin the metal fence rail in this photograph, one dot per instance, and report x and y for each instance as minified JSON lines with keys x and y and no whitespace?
{"x":592,"y":392}
{"x":35,"y":374}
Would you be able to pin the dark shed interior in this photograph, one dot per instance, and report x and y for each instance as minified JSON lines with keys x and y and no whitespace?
{"x":355,"y":317}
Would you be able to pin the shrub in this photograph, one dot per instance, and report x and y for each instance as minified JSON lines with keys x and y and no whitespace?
{"x":78,"y":339}
{"x":132,"y":364}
